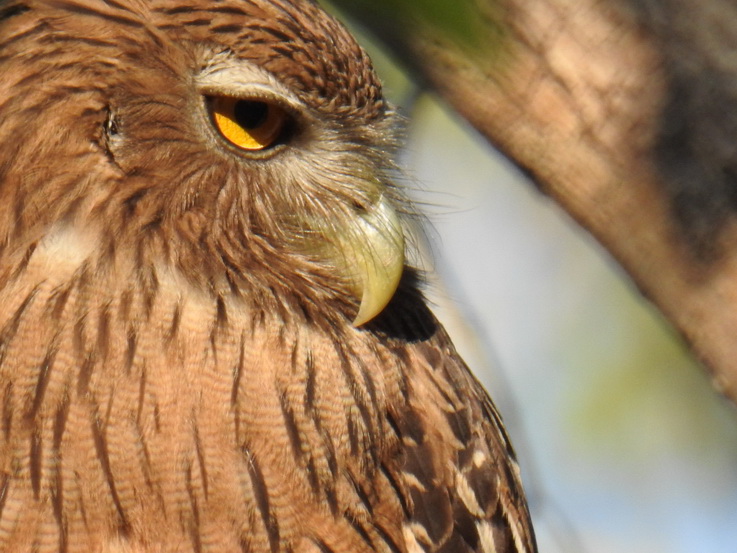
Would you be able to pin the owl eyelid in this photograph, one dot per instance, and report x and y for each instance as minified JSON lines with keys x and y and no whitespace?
{"x":246,"y":81}
{"x":255,"y":94}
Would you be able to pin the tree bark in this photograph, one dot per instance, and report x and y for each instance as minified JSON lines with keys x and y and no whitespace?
{"x":623,"y":111}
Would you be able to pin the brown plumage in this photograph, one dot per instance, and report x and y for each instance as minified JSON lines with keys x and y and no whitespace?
{"x":179,"y":371}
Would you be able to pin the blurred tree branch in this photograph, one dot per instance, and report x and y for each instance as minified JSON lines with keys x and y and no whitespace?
{"x":623,"y":111}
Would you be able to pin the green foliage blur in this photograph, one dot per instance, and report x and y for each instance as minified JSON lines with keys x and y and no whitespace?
{"x":458,"y":21}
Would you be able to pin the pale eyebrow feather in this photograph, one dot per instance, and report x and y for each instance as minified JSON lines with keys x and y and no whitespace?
{"x":228,"y":76}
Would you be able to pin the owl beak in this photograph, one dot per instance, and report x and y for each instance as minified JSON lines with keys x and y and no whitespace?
{"x":373,"y":253}
{"x":381,"y":261}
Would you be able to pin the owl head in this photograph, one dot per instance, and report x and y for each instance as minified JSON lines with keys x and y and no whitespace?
{"x":243,"y":144}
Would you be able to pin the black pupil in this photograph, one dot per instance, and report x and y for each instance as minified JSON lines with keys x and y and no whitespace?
{"x":250,"y":114}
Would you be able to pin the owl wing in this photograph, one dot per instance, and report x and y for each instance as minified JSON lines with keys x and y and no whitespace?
{"x":459,"y":472}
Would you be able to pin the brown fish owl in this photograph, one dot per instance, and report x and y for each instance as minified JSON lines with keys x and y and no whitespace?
{"x":209,"y":340}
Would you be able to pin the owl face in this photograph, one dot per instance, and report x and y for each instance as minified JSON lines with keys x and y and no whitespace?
{"x":245,"y":145}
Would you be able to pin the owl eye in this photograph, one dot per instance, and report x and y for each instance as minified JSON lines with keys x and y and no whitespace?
{"x":248,"y":124}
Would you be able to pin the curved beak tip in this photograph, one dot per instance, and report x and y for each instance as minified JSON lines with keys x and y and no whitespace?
{"x":377,"y":259}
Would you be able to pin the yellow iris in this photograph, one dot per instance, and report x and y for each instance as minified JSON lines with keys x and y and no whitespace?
{"x":248,"y":124}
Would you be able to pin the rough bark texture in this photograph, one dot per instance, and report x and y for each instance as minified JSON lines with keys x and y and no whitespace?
{"x":625,"y":112}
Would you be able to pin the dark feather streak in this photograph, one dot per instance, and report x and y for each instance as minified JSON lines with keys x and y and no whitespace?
{"x":388,"y":540}
{"x":310,"y":385}
{"x":354,"y":433}
{"x":103,"y":457}
{"x":200,"y":456}
{"x":225,"y":29}
{"x":119,"y":6}
{"x":35,"y":460}
{"x":199,"y":22}
{"x":230,"y":10}
{"x":237,"y":371}
{"x":178,"y":10}
{"x":261,"y":493}
{"x":360,"y":492}
{"x":276,"y":33}
{"x":313,"y":477}
{"x":57,"y":491}
{"x":194,"y":523}
{"x":7,"y":408}
{"x":359,"y":529}
{"x":130,"y":350}
{"x":36,"y":29}
{"x":85,"y":373}
{"x":322,"y":546}
{"x":12,"y":11}
{"x":83,"y":10}
{"x":292,"y":430}
{"x":176,"y":320}
{"x":103,"y":332}
{"x":44,"y":373}
{"x":60,"y":422}
{"x":58,"y":300}
{"x":57,"y":501}
{"x":398,"y":489}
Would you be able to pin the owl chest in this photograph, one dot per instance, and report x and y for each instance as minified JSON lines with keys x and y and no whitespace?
{"x":127,"y":414}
